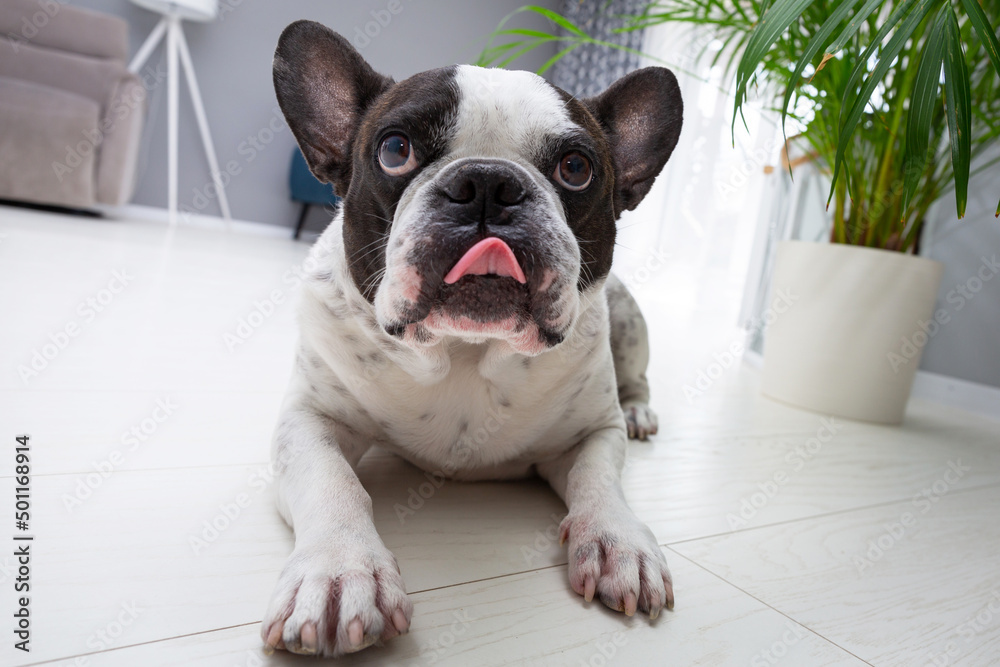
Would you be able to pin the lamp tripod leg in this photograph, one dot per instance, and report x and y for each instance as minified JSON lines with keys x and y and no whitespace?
{"x":173,"y":29}
{"x":142,"y":55}
{"x":206,"y":136}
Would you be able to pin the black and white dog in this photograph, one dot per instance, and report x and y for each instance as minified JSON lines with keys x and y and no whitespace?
{"x":468,"y":273}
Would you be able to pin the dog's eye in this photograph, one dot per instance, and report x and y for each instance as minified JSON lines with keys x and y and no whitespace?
{"x":396,"y":156}
{"x":574,"y":171}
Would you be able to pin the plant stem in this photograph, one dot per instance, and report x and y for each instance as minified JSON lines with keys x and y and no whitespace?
{"x":839,"y":223}
{"x":882,"y":185}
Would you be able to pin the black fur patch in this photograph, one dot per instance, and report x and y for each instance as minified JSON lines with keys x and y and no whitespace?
{"x":423,"y":107}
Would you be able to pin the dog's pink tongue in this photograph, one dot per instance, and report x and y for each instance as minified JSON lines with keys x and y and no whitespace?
{"x":489,"y":256}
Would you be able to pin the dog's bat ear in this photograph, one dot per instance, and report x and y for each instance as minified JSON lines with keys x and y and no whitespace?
{"x":324,"y":87}
{"x":641,"y":113}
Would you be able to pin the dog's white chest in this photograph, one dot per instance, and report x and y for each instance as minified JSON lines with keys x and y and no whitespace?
{"x":464,"y":424}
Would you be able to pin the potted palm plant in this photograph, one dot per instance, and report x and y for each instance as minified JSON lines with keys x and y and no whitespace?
{"x":896,"y":100}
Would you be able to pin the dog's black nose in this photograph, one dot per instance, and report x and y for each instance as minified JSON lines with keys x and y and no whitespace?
{"x":484,"y":191}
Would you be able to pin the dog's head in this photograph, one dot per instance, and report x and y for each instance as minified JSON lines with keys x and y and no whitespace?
{"x":478,"y":203}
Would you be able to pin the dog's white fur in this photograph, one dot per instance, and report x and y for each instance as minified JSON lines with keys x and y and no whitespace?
{"x":505,"y":113}
{"x":354,"y":386}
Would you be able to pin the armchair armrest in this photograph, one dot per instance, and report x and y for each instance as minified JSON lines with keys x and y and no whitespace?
{"x":121,"y":130}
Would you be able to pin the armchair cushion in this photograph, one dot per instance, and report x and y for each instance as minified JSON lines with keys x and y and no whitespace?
{"x":55,"y":25}
{"x":54,"y":166}
{"x":86,"y":76}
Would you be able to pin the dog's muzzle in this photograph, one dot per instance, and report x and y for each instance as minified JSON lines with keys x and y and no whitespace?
{"x":482,"y":259}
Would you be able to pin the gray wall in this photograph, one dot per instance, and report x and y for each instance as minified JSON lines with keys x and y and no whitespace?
{"x":967,"y":346}
{"x":232,"y":59}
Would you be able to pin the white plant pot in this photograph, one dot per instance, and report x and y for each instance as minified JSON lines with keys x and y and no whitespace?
{"x":850,"y":342}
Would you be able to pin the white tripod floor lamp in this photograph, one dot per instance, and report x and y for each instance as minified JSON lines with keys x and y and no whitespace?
{"x":173,"y":12}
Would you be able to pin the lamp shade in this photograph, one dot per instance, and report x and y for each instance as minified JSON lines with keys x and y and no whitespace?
{"x":191,"y":10}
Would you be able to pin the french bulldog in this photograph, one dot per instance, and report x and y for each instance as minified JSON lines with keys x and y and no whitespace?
{"x":466,"y":275}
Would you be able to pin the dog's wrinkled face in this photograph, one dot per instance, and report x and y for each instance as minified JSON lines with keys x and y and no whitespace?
{"x":480,"y":245}
{"x":478,"y":203}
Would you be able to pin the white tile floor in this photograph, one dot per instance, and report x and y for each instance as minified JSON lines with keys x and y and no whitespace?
{"x":875,"y":546}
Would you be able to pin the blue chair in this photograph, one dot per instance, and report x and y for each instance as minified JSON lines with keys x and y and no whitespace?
{"x":307,"y":190}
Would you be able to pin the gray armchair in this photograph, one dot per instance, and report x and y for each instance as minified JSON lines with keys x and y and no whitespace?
{"x":71,"y":114}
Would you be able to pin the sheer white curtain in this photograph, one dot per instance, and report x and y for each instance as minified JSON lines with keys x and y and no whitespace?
{"x":705,"y":208}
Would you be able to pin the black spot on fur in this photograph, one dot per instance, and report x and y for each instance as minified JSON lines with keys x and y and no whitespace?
{"x":395,"y":330}
{"x":421,"y":334}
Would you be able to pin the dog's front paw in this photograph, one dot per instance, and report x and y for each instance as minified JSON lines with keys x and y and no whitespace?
{"x":617,"y":557}
{"x":330,"y":602}
{"x":640,"y":420}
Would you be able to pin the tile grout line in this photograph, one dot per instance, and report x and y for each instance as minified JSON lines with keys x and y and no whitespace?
{"x":243,"y":625}
{"x":497,"y":576}
{"x":769,"y":606}
{"x":474,"y":581}
{"x":785,"y":522}
{"x":667,"y":545}
{"x":145,"y":643}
